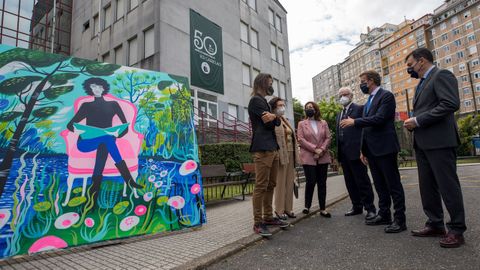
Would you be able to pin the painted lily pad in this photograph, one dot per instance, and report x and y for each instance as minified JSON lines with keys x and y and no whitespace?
{"x":120,"y":207}
{"x":77,"y":201}
{"x":162,"y":200}
{"x":42,"y":206}
{"x":77,"y":190}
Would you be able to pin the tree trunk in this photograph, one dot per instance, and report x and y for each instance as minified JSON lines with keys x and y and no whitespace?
{"x":6,"y":164}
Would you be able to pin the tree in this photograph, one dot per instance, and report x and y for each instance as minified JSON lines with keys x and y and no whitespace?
{"x":50,"y":74}
{"x":329,"y":110}
{"x":297,"y":111}
{"x":468,"y":127}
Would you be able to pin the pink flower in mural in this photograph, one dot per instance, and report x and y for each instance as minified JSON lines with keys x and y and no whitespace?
{"x":4,"y":217}
{"x":158,"y":184}
{"x":140,"y":210}
{"x":177,"y":202}
{"x":148,"y":196}
{"x":66,"y":220}
{"x":47,"y":243}
{"x":151,"y":178}
{"x":128,"y":223}
{"x":188,"y":167}
{"x":195,"y":189}
{"x":89,"y":222}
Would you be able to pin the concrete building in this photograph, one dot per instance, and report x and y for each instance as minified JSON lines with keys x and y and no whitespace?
{"x":454,"y":36}
{"x":326,"y":83}
{"x":410,"y":35}
{"x":156,"y":35}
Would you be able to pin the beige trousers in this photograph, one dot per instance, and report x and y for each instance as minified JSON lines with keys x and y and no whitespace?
{"x":284,"y":189}
{"x":266,"y":167}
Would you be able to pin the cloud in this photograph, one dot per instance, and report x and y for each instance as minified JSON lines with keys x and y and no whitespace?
{"x":322,"y":32}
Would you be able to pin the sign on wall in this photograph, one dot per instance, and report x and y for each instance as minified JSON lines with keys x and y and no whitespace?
{"x":91,"y":152}
{"x":206,"y":53}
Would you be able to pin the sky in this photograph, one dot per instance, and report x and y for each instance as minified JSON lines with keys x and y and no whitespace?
{"x":322,"y":32}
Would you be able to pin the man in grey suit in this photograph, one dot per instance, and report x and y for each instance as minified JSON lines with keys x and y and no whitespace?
{"x":435,"y":140}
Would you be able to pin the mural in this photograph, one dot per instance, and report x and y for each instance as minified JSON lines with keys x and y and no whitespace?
{"x":91,"y":152}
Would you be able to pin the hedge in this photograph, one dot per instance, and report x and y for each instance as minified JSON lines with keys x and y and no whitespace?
{"x":230,"y":154}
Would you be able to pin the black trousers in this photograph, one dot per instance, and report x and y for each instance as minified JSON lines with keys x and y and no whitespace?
{"x":316,"y":174}
{"x":358,"y":184}
{"x":437,"y":174}
{"x":386,"y":178}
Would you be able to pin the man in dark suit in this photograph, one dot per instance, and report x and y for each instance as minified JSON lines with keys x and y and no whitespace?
{"x":380,"y":148}
{"x":435,"y":139}
{"x":348,"y":148}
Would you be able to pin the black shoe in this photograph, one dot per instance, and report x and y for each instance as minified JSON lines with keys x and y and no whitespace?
{"x":261,"y":229}
{"x":276,"y":222}
{"x":290,"y":214}
{"x":370,"y":215}
{"x":354,"y":212}
{"x":325,"y":214}
{"x":281,"y":216}
{"x":306,"y":211}
{"x":126,"y":175}
{"x":378,"y":220}
{"x":396,"y":227}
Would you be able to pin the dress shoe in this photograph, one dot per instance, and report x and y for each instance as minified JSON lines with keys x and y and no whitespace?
{"x":396,"y":227}
{"x":370,"y":215}
{"x":354,"y":212}
{"x":429,"y":232}
{"x":325,"y":214}
{"x":452,"y":240}
{"x":378,"y":220}
{"x":290,"y":214}
{"x":306,"y":211}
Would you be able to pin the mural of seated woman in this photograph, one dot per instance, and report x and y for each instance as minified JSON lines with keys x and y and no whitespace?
{"x":99,"y":134}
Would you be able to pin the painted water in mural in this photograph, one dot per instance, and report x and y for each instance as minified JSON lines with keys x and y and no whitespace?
{"x":91,"y":152}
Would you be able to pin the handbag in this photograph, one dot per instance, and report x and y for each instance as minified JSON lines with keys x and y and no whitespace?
{"x":296,"y":185}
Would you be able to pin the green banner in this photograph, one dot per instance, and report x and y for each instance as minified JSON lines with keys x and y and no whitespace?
{"x":206,"y":53}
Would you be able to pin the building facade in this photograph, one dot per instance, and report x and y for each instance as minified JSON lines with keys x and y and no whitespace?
{"x":156,"y":35}
{"x":454,"y":37}
{"x":326,"y":83}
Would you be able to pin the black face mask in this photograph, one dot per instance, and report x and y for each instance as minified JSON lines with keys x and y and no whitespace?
{"x":412,"y":72}
{"x":310,"y":112}
{"x":364,"y":88}
{"x":270,"y":91}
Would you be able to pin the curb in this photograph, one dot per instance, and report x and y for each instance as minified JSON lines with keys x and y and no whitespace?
{"x":458,"y":165}
{"x":237,"y":246}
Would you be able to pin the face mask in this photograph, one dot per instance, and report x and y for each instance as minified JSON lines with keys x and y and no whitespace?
{"x":364,"y":88}
{"x":412,"y":72}
{"x":344,"y":100}
{"x":310,"y":112}
{"x":270,"y":91}
{"x":280,"y":111}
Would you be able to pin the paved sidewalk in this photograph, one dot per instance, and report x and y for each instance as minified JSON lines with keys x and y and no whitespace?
{"x":228,"y":229}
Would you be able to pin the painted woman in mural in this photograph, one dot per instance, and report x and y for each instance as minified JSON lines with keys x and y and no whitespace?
{"x":99,"y":133}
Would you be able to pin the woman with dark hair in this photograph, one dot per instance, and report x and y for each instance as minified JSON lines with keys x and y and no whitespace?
{"x":98,"y":133}
{"x":314,"y":139}
{"x":287,"y":153}
{"x":264,"y":148}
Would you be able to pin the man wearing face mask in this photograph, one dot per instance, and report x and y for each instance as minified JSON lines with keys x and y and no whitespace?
{"x":264,"y":148}
{"x":355,"y":173}
{"x":379,"y":147}
{"x":435,"y":139}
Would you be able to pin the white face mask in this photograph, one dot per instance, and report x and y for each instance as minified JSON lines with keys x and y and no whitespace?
{"x":280,"y":111}
{"x":344,"y":100}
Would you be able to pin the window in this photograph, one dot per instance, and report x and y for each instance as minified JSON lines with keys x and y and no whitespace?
{"x":107,"y":16}
{"x":149,"y":39}
{"x":464,"y":78}
{"x":460,"y":54}
{"x":132,"y":51}
{"x":446,"y":48}
{"x":444,"y":37}
{"x":477,"y":87}
{"x":86,"y":25}
{"x":119,"y":58}
{"x":119,"y":10}
{"x":245,"y":115}
{"x":95,"y":25}
{"x":443,"y":26}
{"x":232,"y":111}
{"x":133,"y":4}
{"x":448,"y":60}
{"x":252,"y":4}
{"x":246,"y":74}
{"x":273,"y":51}
{"x":461,"y":67}
{"x":280,"y":56}
{"x":471,"y":37}
{"x":433,"y":31}
{"x":468,"y":25}
{"x":476,"y":75}
{"x":244,"y":32}
{"x":278,"y":23}
{"x":472,"y":49}
{"x":475,"y":62}
{"x":466,"y":14}
{"x":454,"y":20}
{"x":456,"y":31}
{"x":255,"y":73}
{"x":458,"y":42}
{"x":106,"y":58}
{"x":468,"y":103}
{"x":275,"y":85}
{"x":466,"y":91}
{"x":254,"y":38}
{"x":282,"y":91}
{"x":271,"y":16}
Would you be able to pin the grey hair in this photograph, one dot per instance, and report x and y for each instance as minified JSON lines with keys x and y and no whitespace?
{"x":347,"y":89}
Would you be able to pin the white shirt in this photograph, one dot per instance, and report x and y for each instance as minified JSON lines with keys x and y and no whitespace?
{"x":313,"y":123}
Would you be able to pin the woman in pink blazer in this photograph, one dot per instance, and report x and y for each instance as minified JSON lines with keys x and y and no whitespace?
{"x":314,"y":140}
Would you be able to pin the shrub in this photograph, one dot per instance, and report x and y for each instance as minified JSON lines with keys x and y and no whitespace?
{"x":232,"y":155}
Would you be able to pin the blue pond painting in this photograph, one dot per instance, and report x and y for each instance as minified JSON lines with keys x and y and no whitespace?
{"x":91,"y":152}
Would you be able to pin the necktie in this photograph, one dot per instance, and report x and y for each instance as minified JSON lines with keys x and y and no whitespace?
{"x":369,"y":101}
{"x":417,"y":89}
{"x":344,"y":113}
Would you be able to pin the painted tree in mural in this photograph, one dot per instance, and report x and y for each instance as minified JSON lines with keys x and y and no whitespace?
{"x":38,"y":92}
